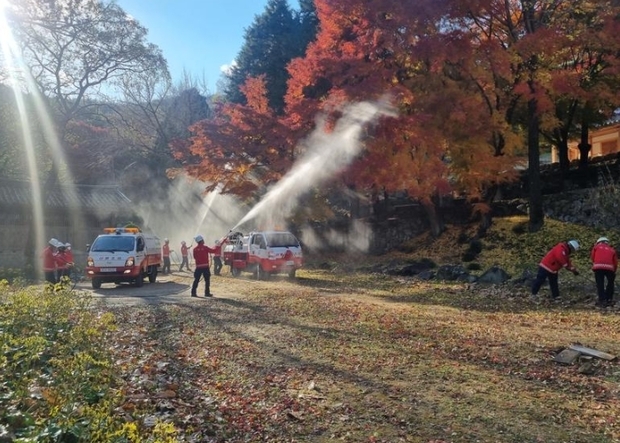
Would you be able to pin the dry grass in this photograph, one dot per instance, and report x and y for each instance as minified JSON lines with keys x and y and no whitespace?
{"x":358,"y":357}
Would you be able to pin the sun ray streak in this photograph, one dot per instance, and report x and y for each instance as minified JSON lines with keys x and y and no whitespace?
{"x":9,"y":50}
{"x":17,"y":74}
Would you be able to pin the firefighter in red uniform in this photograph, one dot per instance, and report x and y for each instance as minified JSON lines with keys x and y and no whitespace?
{"x":69,"y":253}
{"x":604,"y":265}
{"x":62,"y":261}
{"x":557,"y":258}
{"x":184,"y":256}
{"x":49,"y":261}
{"x":201,"y":263}
{"x":165,"y":253}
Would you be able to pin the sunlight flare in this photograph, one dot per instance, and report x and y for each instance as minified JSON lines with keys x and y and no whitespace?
{"x":17,"y":73}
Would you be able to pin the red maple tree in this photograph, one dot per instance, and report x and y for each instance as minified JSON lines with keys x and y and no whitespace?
{"x":242,"y":149}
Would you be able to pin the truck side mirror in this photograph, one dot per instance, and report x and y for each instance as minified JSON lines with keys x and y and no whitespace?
{"x":87,"y":247}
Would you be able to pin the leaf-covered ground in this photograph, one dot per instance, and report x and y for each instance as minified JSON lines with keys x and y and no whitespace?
{"x":358,"y":357}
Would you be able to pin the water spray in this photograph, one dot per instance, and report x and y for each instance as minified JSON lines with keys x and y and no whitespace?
{"x":208,"y":203}
{"x":328,"y":152}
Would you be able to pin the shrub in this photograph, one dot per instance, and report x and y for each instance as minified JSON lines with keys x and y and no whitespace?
{"x":474,"y":267}
{"x":475,"y":246}
{"x":12,"y":274}
{"x":468,"y":256}
{"x":58,"y":380}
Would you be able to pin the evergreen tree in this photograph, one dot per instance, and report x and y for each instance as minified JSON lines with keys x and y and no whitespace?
{"x":271,"y":42}
{"x":308,"y":22}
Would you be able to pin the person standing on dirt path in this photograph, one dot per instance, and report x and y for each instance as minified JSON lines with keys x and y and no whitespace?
{"x":557,"y":258}
{"x":49,"y":261}
{"x":184,"y":256}
{"x":201,"y":263}
{"x":604,"y":266}
{"x":165,"y":253}
{"x":217,"y":258}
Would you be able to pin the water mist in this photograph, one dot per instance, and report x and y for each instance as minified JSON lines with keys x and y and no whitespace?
{"x":327,"y":153}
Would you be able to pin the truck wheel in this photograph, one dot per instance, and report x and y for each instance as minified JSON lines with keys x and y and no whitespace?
{"x":291,"y":273}
{"x":140,"y":280}
{"x":261,"y":274}
{"x":236,"y":272}
{"x":96,"y":283}
{"x":153,"y":275}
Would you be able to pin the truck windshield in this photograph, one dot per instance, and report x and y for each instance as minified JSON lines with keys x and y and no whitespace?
{"x":282,"y":240}
{"x":113,"y":243}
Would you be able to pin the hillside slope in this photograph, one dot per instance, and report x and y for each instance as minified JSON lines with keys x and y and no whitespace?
{"x":507,"y":244}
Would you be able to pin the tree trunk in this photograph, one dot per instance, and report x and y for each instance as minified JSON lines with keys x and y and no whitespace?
{"x":584,"y":146}
{"x":434,"y":220}
{"x":486,"y":217}
{"x":562,"y":146}
{"x":536,"y":216}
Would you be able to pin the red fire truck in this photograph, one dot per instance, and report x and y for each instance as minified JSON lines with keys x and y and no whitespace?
{"x":123,"y":254}
{"x":263,"y":253}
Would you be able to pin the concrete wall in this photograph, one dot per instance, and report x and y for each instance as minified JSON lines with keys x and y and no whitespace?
{"x":598,"y":207}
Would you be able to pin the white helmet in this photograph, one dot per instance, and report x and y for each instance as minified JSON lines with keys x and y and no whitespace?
{"x":68,"y":245}
{"x":55,"y":243}
{"x":574,"y":245}
{"x":199,"y":238}
{"x":602,"y":240}
{"x":166,"y":240}
{"x":183,"y":242}
{"x":217,"y":242}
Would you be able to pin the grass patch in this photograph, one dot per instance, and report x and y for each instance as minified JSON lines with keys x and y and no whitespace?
{"x":356,"y":359}
{"x":59,"y":383}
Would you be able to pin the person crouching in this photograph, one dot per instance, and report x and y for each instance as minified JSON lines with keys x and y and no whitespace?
{"x":557,"y":258}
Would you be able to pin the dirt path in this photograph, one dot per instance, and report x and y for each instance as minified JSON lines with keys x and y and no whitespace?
{"x":176,"y":288}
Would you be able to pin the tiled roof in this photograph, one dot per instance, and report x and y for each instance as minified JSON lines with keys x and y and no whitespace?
{"x":19,"y":193}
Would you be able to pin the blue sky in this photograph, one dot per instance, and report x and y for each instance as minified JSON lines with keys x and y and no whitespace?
{"x":198,"y":36}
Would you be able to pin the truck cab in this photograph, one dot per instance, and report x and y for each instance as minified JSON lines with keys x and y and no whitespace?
{"x":123,"y":255}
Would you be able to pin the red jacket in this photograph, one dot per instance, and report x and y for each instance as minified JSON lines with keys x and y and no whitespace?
{"x":557,"y":258}
{"x":62,"y":260}
{"x":166,"y":250}
{"x":201,"y":255}
{"x":49,"y":259}
{"x":184,"y":250}
{"x":604,"y":257}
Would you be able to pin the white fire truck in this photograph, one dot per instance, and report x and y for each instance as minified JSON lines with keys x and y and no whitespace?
{"x":123,"y":255}
{"x":263,"y":253}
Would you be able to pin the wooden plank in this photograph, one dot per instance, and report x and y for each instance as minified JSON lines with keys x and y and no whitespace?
{"x":567,"y":357}
{"x":592,"y":352}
